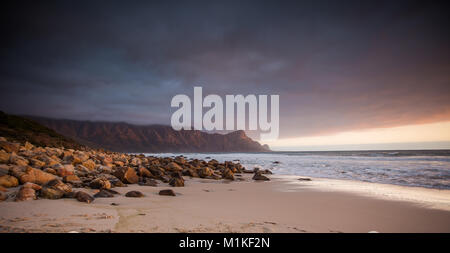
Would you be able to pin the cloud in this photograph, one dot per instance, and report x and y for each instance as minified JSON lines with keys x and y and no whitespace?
{"x":336,"y":66}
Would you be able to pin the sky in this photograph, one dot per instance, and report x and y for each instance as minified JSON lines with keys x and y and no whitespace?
{"x":350,"y":74}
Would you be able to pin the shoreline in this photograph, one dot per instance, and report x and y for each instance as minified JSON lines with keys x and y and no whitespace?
{"x":207,"y":205}
{"x":423,"y":196}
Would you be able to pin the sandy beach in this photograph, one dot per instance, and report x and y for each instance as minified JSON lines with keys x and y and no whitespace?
{"x":283,"y":204}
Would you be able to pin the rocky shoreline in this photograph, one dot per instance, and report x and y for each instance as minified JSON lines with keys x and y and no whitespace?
{"x":54,"y":173}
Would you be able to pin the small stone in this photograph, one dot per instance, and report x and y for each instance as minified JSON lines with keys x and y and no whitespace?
{"x":134,"y":194}
{"x":103,"y":194}
{"x":259,"y":177}
{"x":304,"y":179}
{"x":167,"y":192}
{"x":84,"y":197}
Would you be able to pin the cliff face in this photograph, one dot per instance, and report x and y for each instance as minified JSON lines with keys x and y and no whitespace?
{"x":124,"y":137}
{"x":20,"y":129}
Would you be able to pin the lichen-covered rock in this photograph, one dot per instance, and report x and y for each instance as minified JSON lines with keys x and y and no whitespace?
{"x":35,"y":176}
{"x":89,"y":164}
{"x":100,"y":183}
{"x":8,"y":181}
{"x":127,"y":175}
{"x":73,"y":179}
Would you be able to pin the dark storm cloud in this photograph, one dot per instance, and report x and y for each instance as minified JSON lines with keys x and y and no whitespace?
{"x":337,"y":65}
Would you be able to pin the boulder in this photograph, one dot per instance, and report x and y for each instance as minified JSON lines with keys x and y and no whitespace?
{"x":167,"y":192}
{"x":100,"y":183}
{"x":25,"y":193}
{"x":36,"y":163}
{"x":51,"y":193}
{"x":127,"y":175}
{"x":89,"y":164}
{"x":32,"y":186}
{"x":143,"y":172}
{"x":50,"y":170}
{"x":28,"y":146}
{"x":228,"y":174}
{"x":134,"y":194}
{"x":4,"y":169}
{"x":9,"y":146}
{"x":64,"y":170}
{"x":73,"y":179}
{"x":8,"y":181}
{"x":205,"y":172}
{"x":148,"y":182}
{"x":58,"y":184}
{"x":18,"y":160}
{"x":3,"y":196}
{"x":135,"y":161}
{"x":4,"y":156}
{"x":103,"y":194}
{"x":190,"y":173}
{"x":84,"y":197}
{"x":173,"y":166}
{"x":176,"y":182}
{"x":259,"y":177}
{"x":35,"y":176}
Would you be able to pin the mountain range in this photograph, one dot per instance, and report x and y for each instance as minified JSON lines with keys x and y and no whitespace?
{"x":125,"y":137}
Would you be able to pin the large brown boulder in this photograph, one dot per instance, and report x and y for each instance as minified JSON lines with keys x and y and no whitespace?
{"x":89,"y":164}
{"x":127,"y":175}
{"x":32,"y":175}
{"x":8,"y":181}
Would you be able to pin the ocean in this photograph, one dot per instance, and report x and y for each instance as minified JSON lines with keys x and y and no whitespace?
{"x":420,"y":168}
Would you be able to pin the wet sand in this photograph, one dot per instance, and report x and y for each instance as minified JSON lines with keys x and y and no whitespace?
{"x":283,"y":204}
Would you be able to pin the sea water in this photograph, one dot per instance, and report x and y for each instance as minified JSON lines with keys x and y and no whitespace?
{"x":426,"y":168}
